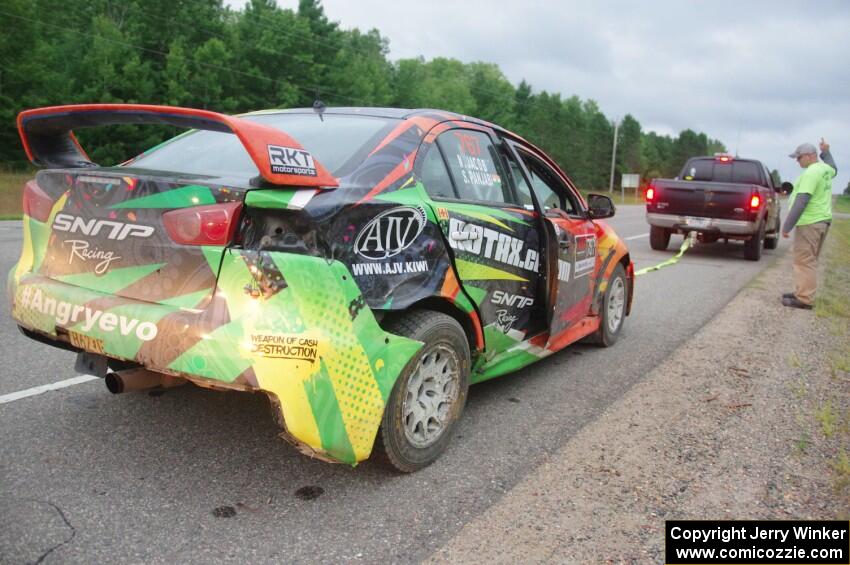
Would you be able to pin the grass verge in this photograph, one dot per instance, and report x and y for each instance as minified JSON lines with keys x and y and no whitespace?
{"x":842,"y":204}
{"x":832,"y":305}
{"x":11,"y":186}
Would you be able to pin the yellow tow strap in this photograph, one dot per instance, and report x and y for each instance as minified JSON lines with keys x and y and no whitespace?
{"x":687,"y":244}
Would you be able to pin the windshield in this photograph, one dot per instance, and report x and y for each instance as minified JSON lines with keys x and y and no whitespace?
{"x":340,"y":143}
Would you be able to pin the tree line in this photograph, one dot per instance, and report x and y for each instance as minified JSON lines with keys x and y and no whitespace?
{"x":201,"y":54}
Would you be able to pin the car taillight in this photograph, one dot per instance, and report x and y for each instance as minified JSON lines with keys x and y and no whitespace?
{"x":37,"y":204}
{"x":203,"y":225}
{"x":755,"y":201}
{"x":650,"y":194}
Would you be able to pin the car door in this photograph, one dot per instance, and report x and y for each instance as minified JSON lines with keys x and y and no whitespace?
{"x":571,"y":243}
{"x":495,"y":243}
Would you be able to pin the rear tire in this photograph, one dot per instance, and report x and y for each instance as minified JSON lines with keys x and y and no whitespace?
{"x":754,"y":245}
{"x":773,"y":242}
{"x":429,"y":395}
{"x":613,"y":309}
{"x":659,"y":238}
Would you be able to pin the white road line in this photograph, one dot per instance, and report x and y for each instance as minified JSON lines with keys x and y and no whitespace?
{"x":44,"y":388}
{"x":636,"y":236}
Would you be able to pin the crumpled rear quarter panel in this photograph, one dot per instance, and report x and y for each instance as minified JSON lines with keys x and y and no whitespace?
{"x":313,"y":343}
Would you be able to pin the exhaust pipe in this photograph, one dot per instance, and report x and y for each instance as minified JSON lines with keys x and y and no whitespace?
{"x":139,"y":379}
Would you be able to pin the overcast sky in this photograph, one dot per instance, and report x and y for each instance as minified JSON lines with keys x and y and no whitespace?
{"x":759,"y":76}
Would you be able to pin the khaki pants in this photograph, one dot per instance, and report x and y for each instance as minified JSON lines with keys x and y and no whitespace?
{"x":808,"y":241}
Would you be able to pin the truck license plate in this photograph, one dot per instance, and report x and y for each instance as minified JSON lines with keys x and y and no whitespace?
{"x":698,"y":222}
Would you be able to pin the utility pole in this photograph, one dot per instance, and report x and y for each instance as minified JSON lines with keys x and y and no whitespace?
{"x":614,"y":154}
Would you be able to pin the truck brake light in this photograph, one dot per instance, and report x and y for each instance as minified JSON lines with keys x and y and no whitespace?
{"x":755,"y":202}
{"x":650,"y":193}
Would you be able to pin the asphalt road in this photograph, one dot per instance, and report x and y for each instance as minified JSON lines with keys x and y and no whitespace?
{"x":194,"y":476}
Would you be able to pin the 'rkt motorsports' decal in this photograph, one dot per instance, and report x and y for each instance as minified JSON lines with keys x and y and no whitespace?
{"x":514,"y":300}
{"x":585,"y":254}
{"x":389,"y":233}
{"x":490,"y":244}
{"x":297,"y":347}
{"x":92,"y":227}
{"x":66,"y":314}
{"x":291,"y":161}
{"x":80,"y":249}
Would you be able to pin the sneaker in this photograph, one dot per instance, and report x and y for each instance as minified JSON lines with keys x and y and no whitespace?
{"x":794,"y":303}
{"x":789,"y":295}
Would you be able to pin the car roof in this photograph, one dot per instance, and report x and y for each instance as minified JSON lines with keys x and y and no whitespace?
{"x":383,"y":112}
{"x":407,"y":113}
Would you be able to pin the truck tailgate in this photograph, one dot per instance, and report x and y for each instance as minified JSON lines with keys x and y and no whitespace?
{"x":702,"y":199}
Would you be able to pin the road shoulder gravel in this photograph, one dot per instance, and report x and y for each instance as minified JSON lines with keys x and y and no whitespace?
{"x":731,"y":426}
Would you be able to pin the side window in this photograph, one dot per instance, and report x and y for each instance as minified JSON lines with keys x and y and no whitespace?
{"x":523,"y":191}
{"x":475,"y":166}
{"x":699,"y":169}
{"x":434,"y":175}
{"x":547,"y":186}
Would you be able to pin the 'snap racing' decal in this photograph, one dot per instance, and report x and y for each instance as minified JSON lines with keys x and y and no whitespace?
{"x":82,"y":250}
{"x":514,"y":300}
{"x":389,"y":233}
{"x":291,"y":161}
{"x":504,"y":321}
{"x":111,"y":229}
{"x":490,"y":244}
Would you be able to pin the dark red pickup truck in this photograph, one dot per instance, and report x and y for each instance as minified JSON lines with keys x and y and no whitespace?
{"x":720,"y":197}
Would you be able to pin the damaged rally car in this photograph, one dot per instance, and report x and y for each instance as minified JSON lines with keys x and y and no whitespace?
{"x":361,"y":267}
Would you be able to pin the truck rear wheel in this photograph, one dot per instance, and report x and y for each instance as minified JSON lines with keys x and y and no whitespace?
{"x":773,"y":242}
{"x":659,"y":238}
{"x":754,"y":245}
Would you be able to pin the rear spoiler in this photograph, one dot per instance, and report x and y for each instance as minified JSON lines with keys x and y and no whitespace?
{"x":48,"y":138}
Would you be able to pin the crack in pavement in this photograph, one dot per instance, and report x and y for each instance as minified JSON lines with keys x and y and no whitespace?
{"x":67,"y":523}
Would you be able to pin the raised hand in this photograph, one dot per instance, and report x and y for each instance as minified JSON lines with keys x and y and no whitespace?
{"x":824,"y":146}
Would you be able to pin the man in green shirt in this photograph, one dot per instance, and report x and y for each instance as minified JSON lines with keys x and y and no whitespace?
{"x":810,"y":215}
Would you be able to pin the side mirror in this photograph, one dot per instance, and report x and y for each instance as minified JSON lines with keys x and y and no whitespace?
{"x":600,"y":206}
{"x":786,"y":188}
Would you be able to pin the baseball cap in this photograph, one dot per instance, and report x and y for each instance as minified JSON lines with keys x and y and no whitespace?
{"x":803,"y":149}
